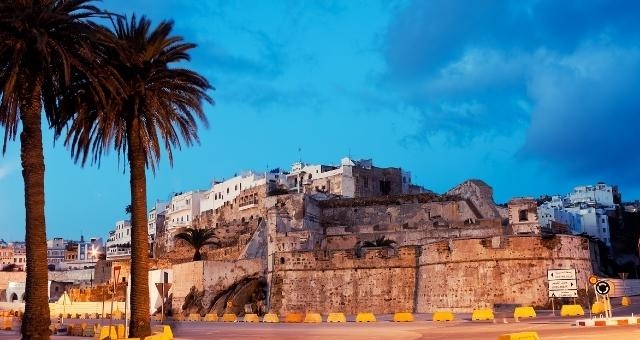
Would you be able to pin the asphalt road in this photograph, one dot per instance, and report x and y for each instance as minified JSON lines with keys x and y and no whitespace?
{"x":547,"y":328}
{"x":546,"y":325}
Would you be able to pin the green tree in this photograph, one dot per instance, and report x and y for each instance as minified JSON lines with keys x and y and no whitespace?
{"x":158,"y":109}
{"x":45,"y":45}
{"x":379,"y":242}
{"x":197,"y":238}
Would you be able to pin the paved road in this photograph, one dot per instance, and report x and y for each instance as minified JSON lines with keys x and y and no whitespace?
{"x":549,"y":328}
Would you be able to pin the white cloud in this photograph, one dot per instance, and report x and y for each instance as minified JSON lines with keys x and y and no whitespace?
{"x":6,"y":169}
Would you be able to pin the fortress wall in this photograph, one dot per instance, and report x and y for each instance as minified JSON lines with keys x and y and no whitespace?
{"x":465,"y":274}
{"x":330,"y":281}
{"x":213,"y":276}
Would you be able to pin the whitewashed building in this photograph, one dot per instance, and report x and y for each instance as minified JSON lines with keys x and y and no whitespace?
{"x":119,"y":241}
{"x":180,"y":213}
{"x":224,"y":192}
{"x":583,"y":211}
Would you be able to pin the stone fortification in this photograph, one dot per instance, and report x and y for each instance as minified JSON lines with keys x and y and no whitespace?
{"x":480,"y":196}
{"x":468,"y":273}
{"x":380,"y":281}
{"x":211,"y":278}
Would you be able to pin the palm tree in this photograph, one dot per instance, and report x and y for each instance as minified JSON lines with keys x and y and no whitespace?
{"x":158,"y":109}
{"x":197,"y":238}
{"x":379,"y":242}
{"x":44,"y":46}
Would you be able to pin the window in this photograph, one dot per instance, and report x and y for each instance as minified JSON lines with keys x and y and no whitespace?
{"x":236,"y":187}
{"x":603,"y":220}
{"x":365,"y":181}
{"x":310,"y":176}
{"x":227,"y":190}
{"x":604,"y":230}
{"x":523,"y":216}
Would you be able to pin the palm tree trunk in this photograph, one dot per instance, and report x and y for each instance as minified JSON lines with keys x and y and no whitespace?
{"x":36,"y":320}
{"x":140,"y":326}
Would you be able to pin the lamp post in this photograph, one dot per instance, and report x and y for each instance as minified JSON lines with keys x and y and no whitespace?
{"x":116,"y":274}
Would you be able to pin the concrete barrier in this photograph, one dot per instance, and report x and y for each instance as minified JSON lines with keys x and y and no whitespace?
{"x":336,"y":317}
{"x":211,"y":317}
{"x":312,"y":318}
{"x":571,"y":310}
{"x":194,"y":317}
{"x":443,"y":316}
{"x":524,"y":312}
{"x":625,"y":301}
{"x":520,"y":336}
{"x":229,"y":317}
{"x":293,"y":318}
{"x":108,"y":332}
{"x":251,"y":318}
{"x":598,"y":307}
{"x":403,"y":317}
{"x":482,"y":314}
{"x":164,"y":331}
{"x":120,"y":331}
{"x":365,"y":317}
{"x":271,"y":318}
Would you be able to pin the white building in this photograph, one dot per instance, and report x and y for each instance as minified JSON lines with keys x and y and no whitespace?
{"x":119,"y":241}
{"x":583,"y":211}
{"x":223,"y":193}
{"x":156,"y":219}
{"x":56,"y":248}
{"x":180,"y":213}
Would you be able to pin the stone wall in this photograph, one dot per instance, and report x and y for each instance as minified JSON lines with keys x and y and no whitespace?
{"x":380,"y":281}
{"x":5,"y":277}
{"x":465,"y":274}
{"x":213,"y":276}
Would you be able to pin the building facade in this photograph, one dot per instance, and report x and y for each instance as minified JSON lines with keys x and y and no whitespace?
{"x":119,"y":241}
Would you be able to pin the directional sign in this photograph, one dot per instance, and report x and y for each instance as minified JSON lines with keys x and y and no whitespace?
{"x":160,"y":286}
{"x":562,"y":284}
{"x":603,"y":288}
{"x":561,"y":274}
{"x":563,"y":293}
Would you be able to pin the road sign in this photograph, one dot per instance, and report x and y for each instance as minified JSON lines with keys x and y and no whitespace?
{"x":562,"y":284}
{"x":603,"y":288}
{"x":160,"y":286}
{"x":563,"y":293}
{"x":561,"y":274}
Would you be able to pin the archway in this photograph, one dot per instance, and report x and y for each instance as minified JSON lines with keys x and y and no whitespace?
{"x":14,"y":297}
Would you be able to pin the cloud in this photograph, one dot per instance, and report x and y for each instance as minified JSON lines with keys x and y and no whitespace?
{"x":487,"y":68}
{"x":6,"y":169}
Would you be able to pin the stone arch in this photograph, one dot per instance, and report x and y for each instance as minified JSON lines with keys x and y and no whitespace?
{"x":24,"y":299}
{"x":14,"y":297}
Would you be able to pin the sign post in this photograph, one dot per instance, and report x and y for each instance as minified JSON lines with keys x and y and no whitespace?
{"x":116,"y":274}
{"x":562,"y":284}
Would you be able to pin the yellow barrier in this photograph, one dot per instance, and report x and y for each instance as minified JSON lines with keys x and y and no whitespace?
{"x":365,"y":317}
{"x":293,"y":318}
{"x":229,"y":317}
{"x":524,"y":312}
{"x":271,"y":318}
{"x":164,"y":331}
{"x":313,"y":318}
{"x":154,"y":337}
{"x":108,"y":332}
{"x":336,"y":317}
{"x":597,"y":307}
{"x":120,"y":331}
{"x":625,"y":301}
{"x":571,"y":310}
{"x":211,"y":317}
{"x":194,"y":317}
{"x":482,"y":314}
{"x":251,"y":318}
{"x":520,"y":336}
{"x":402,"y":317}
{"x":179,"y":317}
{"x":443,"y":316}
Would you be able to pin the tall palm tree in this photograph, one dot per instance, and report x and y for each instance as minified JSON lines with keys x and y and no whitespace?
{"x":197,"y":238}
{"x":44,"y":46}
{"x":158,"y":111}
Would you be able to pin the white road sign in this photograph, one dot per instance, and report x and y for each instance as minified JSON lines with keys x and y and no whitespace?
{"x":562,"y":284}
{"x":563,"y":293}
{"x":561,"y":274}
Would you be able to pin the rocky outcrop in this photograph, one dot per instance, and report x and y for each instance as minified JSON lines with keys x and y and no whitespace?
{"x":247,"y":295}
{"x":479,"y":196}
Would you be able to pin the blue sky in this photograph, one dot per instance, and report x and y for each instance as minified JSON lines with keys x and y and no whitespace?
{"x":533,"y":97}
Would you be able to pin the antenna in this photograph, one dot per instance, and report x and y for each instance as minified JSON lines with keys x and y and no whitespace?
{"x":300,"y":154}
